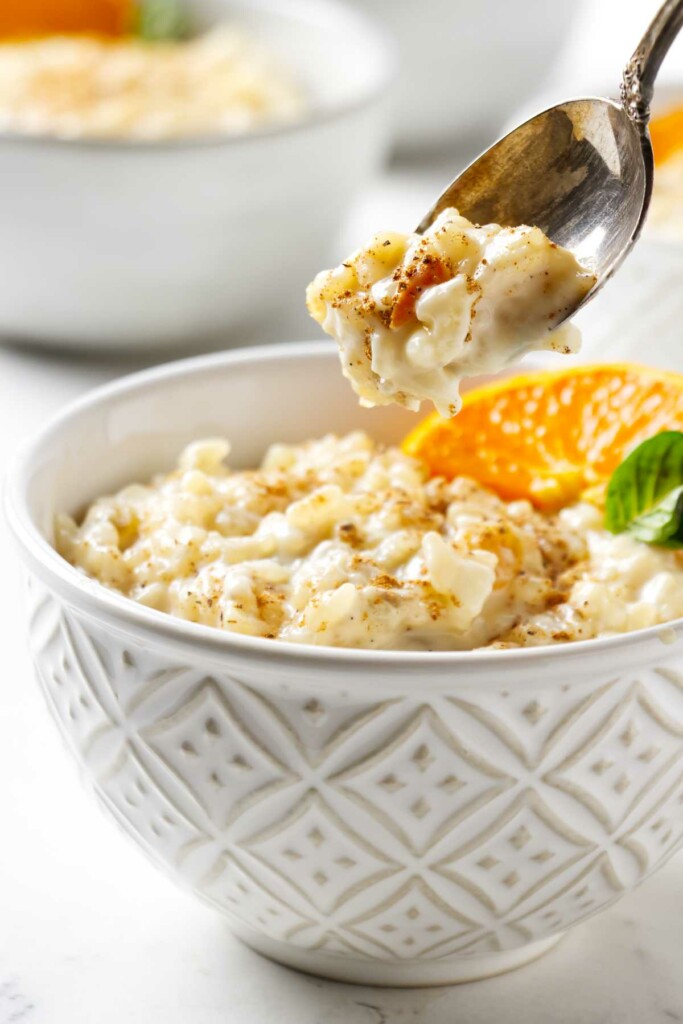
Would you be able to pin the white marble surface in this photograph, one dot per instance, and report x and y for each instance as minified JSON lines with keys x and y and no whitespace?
{"x":91,"y":934}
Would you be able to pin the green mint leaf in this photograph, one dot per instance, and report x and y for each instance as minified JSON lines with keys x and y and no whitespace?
{"x":162,"y":20}
{"x":663,"y":523}
{"x":645,"y":493}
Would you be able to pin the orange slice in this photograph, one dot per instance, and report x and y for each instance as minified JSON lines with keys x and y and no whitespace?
{"x":549,"y":437}
{"x":30,"y":18}
{"x":666,"y":133}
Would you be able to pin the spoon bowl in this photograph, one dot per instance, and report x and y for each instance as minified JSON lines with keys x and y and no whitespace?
{"x":580,"y":171}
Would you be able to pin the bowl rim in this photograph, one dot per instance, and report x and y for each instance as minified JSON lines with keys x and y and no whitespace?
{"x":90,"y":596}
{"x":322,"y":11}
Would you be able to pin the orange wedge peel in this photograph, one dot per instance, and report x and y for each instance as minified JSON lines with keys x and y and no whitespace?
{"x":550,"y":437}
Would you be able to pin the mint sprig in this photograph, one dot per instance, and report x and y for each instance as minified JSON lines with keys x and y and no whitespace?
{"x":645,"y":494}
{"x":162,"y":20}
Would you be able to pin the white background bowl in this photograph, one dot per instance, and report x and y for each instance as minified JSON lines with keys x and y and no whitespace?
{"x":466,"y":65}
{"x":393,"y":818}
{"x":143,"y":244}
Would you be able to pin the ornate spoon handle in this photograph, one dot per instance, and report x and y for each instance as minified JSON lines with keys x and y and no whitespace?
{"x":641,"y":71}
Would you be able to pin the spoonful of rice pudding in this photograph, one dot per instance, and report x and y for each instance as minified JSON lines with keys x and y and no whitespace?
{"x":477,"y":286}
{"x":415,"y":314}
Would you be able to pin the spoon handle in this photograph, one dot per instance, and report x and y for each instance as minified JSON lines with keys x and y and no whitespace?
{"x":640,"y":72}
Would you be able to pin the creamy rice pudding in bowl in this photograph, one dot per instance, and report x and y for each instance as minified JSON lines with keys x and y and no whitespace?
{"x":413,"y":814}
{"x":180,"y":172}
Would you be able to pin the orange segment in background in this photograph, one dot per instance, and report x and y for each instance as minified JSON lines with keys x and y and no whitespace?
{"x":666,"y":133}
{"x":550,"y":436}
{"x":30,"y":18}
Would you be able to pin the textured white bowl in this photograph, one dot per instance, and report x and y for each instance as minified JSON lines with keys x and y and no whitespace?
{"x":377,"y":817}
{"x":143,"y":244}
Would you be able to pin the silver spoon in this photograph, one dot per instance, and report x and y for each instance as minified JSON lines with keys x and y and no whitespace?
{"x":581,"y":171}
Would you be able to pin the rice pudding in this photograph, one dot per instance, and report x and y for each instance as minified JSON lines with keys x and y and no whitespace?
{"x":341,"y":542}
{"x":415,"y":314}
{"x":222,"y":82}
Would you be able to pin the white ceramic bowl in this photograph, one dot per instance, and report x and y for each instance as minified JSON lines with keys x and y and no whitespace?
{"x":381,"y":817}
{"x":185,"y":242}
{"x":466,"y":65}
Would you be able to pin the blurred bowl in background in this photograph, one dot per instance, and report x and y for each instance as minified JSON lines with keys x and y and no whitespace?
{"x":465,"y":66}
{"x":142,"y":244}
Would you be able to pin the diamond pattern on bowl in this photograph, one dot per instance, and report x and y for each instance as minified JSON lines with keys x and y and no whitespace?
{"x":332,"y":942}
{"x":529,"y":723}
{"x":655,"y":837}
{"x":210,"y":750}
{"x":412,"y":922}
{"x":318,"y":724}
{"x":144,"y":809}
{"x":374,"y":823}
{"x":230,"y":888}
{"x":66,"y":683}
{"x":422,"y":782}
{"x":620,"y":761}
{"x":515,"y":856}
{"x":313,"y":849}
{"x":593,"y":888}
{"x":125,"y":667}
